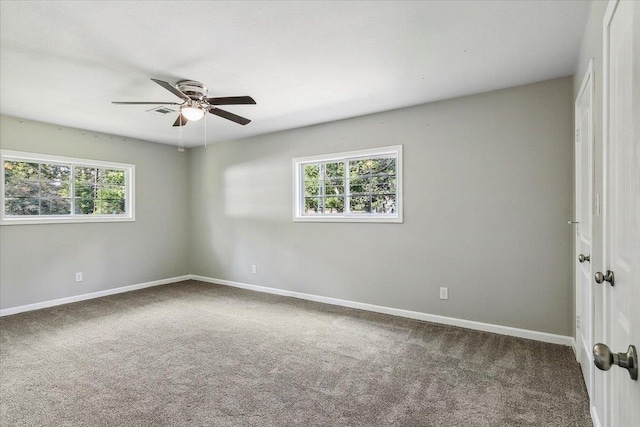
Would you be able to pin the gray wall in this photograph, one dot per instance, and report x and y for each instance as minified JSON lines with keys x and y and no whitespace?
{"x":38,"y":262}
{"x":487,"y":195}
{"x":488,"y":191}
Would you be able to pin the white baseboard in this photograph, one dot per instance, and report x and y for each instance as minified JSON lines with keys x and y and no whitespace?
{"x":82,"y":297}
{"x":469,"y":324}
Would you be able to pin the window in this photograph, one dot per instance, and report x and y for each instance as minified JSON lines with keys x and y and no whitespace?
{"x":39,"y":189}
{"x":359,"y":186}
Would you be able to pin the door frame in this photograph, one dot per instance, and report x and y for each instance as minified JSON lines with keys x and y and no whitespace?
{"x":586,"y":85}
{"x":606,"y":331}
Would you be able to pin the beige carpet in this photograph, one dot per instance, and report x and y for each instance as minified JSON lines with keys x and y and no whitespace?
{"x":196,"y":354}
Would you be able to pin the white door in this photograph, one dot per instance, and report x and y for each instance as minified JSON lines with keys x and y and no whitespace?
{"x":621,"y":237}
{"x":584,"y":217}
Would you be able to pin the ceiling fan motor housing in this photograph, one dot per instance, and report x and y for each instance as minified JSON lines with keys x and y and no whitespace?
{"x":194,"y":90}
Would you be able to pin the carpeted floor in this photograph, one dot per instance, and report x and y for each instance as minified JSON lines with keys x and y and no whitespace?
{"x":196,"y":354}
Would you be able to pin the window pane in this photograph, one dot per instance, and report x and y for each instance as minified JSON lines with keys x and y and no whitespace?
{"x":86,"y":190}
{"x":334,"y":190}
{"x":312,"y":205}
{"x":20,"y":171}
{"x":360,"y":204}
{"x":112,"y":207}
{"x":334,"y":205}
{"x":360,"y":185}
{"x":383,"y":184}
{"x":85,"y":206}
{"x":312,"y":183}
{"x":359,"y":168}
{"x":334,"y":172}
{"x":53,"y":172}
{"x":111,"y":192}
{"x":312,"y":188}
{"x":312,"y":172}
{"x":19,"y":187}
{"x":86,"y":174}
{"x":334,"y":181}
{"x":55,"y":206}
{"x":383,"y":166}
{"x":384,"y":204}
{"x":55,"y":189}
{"x":22,"y":206}
{"x":112,"y":177}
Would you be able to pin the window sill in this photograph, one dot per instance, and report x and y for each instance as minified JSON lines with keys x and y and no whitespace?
{"x":338,"y":218}
{"x":59,"y":220}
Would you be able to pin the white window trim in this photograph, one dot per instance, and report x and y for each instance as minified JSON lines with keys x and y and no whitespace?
{"x":298,"y":188}
{"x":129,"y":170}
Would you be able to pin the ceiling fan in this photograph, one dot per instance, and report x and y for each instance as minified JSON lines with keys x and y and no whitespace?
{"x":195,"y":103}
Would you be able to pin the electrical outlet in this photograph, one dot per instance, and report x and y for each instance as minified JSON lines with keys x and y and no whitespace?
{"x":444,"y":293}
{"x":254,"y":269}
{"x":79,"y":277}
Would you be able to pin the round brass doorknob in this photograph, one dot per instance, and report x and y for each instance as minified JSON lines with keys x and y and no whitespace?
{"x":583,"y":258}
{"x":609,"y":277}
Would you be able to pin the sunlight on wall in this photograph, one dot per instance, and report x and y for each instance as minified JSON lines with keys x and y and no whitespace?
{"x":251,"y":190}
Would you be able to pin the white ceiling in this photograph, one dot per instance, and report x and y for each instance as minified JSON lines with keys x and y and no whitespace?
{"x":63,"y":62}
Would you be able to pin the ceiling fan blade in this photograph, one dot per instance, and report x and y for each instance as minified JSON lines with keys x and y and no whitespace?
{"x":154,"y":103}
{"x":180,"y":121}
{"x":231,"y":100}
{"x":229,"y":116}
{"x":172,"y":89}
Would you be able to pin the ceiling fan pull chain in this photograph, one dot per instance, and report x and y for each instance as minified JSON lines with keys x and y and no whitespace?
{"x":205,"y":132}
{"x":180,"y":147}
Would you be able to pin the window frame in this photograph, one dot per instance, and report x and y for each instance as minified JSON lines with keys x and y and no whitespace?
{"x":73,"y":162}
{"x":298,"y":163}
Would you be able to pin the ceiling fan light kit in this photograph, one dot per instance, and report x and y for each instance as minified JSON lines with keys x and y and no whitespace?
{"x":195,"y":103}
{"x":192,"y":113}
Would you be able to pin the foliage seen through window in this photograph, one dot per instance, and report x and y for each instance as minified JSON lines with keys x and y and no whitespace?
{"x":361,"y":186}
{"x":41,"y":188}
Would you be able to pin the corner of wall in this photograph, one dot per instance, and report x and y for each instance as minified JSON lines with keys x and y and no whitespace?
{"x":190,"y":180}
